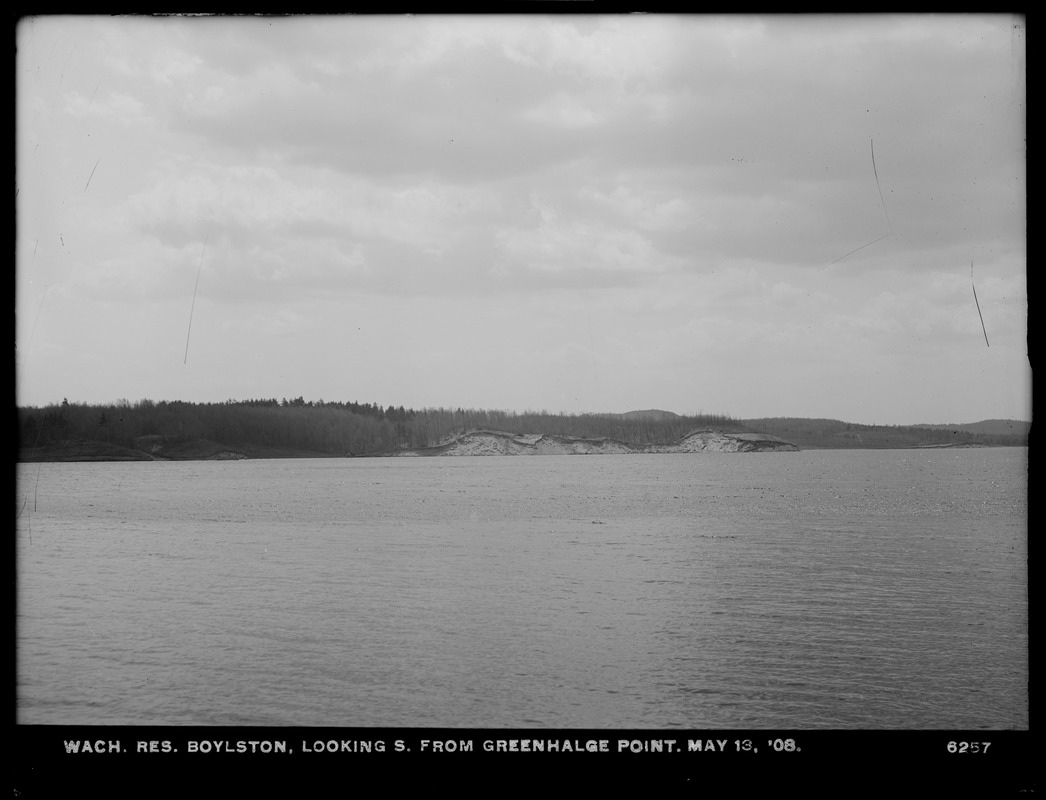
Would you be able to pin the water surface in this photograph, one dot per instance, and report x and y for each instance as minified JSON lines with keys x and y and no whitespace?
{"x":820,"y":589}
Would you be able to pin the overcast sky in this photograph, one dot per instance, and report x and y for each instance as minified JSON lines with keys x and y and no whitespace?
{"x":574,"y":214}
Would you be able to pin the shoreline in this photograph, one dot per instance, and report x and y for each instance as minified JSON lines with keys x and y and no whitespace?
{"x":478,"y":442}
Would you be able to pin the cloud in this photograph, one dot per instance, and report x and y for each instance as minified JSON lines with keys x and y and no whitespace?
{"x":629,"y":207}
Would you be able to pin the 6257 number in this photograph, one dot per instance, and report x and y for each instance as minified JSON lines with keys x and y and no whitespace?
{"x":968,"y":747}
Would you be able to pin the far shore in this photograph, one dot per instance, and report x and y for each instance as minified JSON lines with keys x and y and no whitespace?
{"x":476,"y":443}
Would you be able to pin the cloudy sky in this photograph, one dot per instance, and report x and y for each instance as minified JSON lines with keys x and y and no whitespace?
{"x":742,"y":215}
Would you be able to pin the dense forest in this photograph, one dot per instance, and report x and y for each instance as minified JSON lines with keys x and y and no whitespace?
{"x":296,"y":427}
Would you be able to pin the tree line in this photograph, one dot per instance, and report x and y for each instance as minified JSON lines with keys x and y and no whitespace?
{"x":322,"y":427}
{"x":296,"y":426}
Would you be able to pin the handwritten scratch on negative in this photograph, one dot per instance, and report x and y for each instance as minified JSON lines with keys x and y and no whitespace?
{"x":592,"y":347}
{"x":91,"y":101}
{"x":197,"y":286}
{"x":32,"y":333}
{"x":875,"y":172}
{"x":977,"y":303}
{"x":889,"y":225}
{"x":826,"y":266}
{"x":96,"y":163}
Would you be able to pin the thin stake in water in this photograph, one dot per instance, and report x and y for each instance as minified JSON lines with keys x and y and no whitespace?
{"x":28,"y":518}
{"x":36,"y":487}
{"x":979,"y":314}
{"x":39,"y":465}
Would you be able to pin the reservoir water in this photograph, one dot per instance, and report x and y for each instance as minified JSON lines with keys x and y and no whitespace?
{"x":819,"y":589}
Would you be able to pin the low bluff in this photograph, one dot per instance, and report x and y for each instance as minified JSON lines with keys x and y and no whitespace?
{"x":498,"y":443}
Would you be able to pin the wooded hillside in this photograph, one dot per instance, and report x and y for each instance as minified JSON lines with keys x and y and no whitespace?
{"x":271,"y":428}
{"x":324,"y":428}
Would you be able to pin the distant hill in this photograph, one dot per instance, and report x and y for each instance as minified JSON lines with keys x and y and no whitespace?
{"x":652,"y":413}
{"x":832,"y":433}
{"x":991,"y":427}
